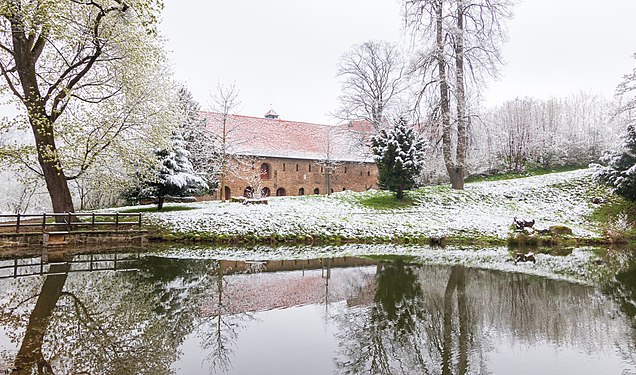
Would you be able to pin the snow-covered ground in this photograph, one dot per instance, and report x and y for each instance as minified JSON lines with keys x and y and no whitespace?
{"x":578,"y":267}
{"x":485,"y":208}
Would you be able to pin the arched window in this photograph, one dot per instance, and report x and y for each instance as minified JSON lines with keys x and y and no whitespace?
{"x":280,"y":192}
{"x":227,"y":193}
{"x":301,"y":191}
{"x":316,"y":191}
{"x":247,"y":192}
{"x":265,"y":192}
{"x":265,"y":171}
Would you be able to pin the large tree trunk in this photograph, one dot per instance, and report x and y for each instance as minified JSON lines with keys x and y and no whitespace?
{"x":447,"y":141}
{"x":26,"y":54}
{"x":459,"y":170}
{"x":56,"y":182}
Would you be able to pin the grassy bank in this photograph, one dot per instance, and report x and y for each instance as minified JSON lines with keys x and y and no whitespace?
{"x":480,"y":215}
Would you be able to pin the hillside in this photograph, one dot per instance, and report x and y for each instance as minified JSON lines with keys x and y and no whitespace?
{"x":483,"y":209}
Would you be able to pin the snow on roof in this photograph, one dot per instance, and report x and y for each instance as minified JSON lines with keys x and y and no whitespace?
{"x":256,"y":136}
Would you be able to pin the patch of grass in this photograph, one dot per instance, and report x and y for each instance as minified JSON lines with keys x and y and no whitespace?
{"x":614,"y":208}
{"x":154,"y":209}
{"x":528,"y":173}
{"x":617,"y":218}
{"x":386,"y":201}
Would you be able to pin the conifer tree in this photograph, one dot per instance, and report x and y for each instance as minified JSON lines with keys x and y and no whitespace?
{"x":620,"y":172}
{"x":173,"y":175}
{"x":399,"y":155}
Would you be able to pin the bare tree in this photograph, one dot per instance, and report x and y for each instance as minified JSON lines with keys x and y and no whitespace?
{"x":372,"y":74}
{"x":464,"y":38}
{"x":225,"y":101}
{"x":332,"y":157}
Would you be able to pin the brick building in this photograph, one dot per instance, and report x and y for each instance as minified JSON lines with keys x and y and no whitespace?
{"x":279,"y":157}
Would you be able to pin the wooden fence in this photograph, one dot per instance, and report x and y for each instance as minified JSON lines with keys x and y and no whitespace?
{"x":83,"y":263}
{"x":69,"y":222}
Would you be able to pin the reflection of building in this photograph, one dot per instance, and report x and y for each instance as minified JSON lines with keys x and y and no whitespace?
{"x":285,"y":283}
{"x":293,"y":158}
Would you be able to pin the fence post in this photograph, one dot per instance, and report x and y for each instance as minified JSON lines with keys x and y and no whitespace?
{"x":140,"y":221}
{"x":43,"y":222}
{"x":93,"y":221}
{"x":116,"y":221}
{"x":68,"y":223}
{"x":17,"y":224}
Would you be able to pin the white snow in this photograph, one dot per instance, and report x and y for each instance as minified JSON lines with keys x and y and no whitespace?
{"x":486,"y":208}
{"x":575,"y":267}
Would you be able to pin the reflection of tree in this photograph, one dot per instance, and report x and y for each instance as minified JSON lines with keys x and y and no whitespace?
{"x":30,"y":356}
{"x":108,"y":322}
{"x":456,"y":281}
{"x":623,"y":291}
{"x":220,"y":331}
{"x":447,"y":324}
{"x":385,"y":340}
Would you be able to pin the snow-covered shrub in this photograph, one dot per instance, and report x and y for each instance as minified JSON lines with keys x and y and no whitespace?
{"x":173,"y":175}
{"x":620,"y":172}
{"x":399,"y":155}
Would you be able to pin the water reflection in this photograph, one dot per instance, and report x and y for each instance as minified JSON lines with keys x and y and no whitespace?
{"x":131,"y":313}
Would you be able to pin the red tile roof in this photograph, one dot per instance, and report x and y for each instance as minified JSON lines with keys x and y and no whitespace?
{"x":255,"y":136}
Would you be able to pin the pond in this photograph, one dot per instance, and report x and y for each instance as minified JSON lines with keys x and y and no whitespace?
{"x":213,"y":312}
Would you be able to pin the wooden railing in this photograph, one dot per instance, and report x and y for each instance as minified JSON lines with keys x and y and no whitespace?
{"x":83,"y":263}
{"x":69,"y":222}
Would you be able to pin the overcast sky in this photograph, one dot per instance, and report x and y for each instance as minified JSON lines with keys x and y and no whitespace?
{"x":283,"y":54}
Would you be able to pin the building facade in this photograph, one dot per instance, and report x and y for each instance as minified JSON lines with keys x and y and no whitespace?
{"x":272,"y":157}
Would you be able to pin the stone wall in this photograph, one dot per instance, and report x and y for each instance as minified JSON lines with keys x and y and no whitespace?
{"x":76,"y":238}
{"x":300,"y":177}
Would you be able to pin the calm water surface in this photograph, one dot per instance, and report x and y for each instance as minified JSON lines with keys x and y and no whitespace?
{"x":152,"y":314}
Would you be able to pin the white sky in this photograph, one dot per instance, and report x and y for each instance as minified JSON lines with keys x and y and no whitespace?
{"x":284,"y":54}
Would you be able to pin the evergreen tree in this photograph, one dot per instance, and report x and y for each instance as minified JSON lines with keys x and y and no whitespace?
{"x":399,"y":155}
{"x":173,"y":175}
{"x":199,"y":140}
{"x":620,"y":172}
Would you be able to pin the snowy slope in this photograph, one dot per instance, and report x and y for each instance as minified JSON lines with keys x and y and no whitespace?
{"x":487,"y":208}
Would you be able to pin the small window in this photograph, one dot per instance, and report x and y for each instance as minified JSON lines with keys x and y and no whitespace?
{"x":247,"y":192}
{"x":280,"y":192}
{"x":309,"y":167}
{"x":360,"y":173}
{"x":345,"y":169}
{"x":283,"y":167}
{"x":344,"y":189}
{"x":316,"y":191}
{"x":265,"y":192}
{"x":368,"y":173}
{"x":296,"y":167}
{"x":321,"y":169}
{"x":301,"y":191}
{"x":265,"y":171}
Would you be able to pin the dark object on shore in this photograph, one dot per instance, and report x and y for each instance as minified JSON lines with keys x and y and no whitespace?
{"x":521,"y":257}
{"x":521,"y":224}
{"x":598,"y":200}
